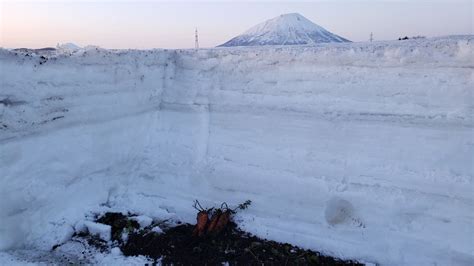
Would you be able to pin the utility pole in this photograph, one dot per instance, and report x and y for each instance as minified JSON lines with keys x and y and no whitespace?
{"x":196,"y":40}
{"x":371,"y":36}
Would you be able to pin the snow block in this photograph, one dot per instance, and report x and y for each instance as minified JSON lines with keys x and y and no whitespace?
{"x":102,"y":230}
{"x":143,"y":220}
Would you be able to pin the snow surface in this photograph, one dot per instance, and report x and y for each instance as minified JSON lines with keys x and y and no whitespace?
{"x":286,"y":29}
{"x":359,"y":150}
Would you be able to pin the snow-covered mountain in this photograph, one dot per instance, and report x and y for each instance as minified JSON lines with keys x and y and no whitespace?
{"x":286,"y":29}
{"x":68,"y":47}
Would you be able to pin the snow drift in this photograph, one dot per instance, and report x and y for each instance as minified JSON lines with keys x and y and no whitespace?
{"x":361,"y":151}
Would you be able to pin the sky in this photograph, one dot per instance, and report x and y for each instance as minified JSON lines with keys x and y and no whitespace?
{"x":166,"y":24}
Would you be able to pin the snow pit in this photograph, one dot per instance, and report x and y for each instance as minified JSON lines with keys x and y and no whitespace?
{"x":336,"y":145}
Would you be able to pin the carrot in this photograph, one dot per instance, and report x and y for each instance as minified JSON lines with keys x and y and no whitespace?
{"x":214,"y":220}
{"x":224,"y":219}
{"x":202,"y":219}
{"x":219,"y":220}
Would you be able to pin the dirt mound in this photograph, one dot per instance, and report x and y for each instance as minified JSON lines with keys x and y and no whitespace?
{"x":178,"y":245}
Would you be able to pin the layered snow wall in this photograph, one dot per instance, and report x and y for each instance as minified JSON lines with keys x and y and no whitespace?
{"x":361,"y":151}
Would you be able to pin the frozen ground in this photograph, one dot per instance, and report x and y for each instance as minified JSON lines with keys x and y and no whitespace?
{"x":359,"y":150}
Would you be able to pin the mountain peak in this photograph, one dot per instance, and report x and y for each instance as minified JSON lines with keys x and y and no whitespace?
{"x":286,"y":29}
{"x":289,"y":15}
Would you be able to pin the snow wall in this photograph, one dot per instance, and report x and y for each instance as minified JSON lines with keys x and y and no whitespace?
{"x":361,"y":151}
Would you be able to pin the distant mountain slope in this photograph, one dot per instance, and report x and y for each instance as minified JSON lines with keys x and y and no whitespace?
{"x":286,"y":29}
{"x":68,"y":47}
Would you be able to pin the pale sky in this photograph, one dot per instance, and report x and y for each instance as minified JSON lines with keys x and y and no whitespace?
{"x":166,"y":24}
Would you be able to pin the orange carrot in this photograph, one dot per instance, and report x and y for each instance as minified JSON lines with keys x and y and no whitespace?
{"x":214,"y":220}
{"x":224,"y":219}
{"x":202,"y":219}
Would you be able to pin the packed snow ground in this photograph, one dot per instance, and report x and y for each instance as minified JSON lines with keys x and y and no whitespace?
{"x":359,"y":150}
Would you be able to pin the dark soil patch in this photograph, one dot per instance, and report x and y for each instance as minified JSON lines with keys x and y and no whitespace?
{"x":177,"y":246}
{"x":119,"y":223}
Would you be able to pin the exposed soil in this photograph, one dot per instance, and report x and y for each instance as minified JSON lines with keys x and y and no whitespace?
{"x":177,"y":246}
{"x":119,"y":223}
